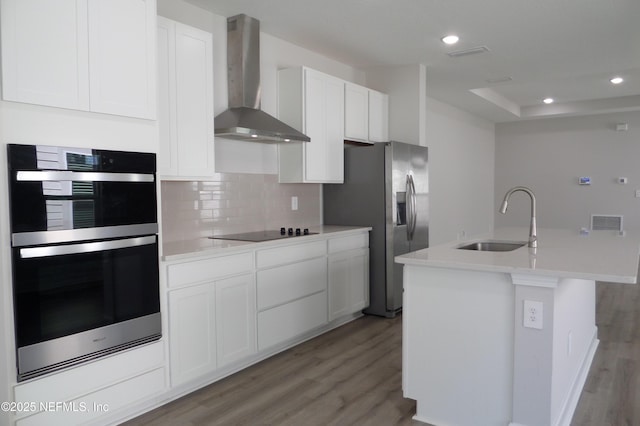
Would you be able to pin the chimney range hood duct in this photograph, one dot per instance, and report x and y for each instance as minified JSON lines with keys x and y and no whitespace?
{"x":244,"y":120}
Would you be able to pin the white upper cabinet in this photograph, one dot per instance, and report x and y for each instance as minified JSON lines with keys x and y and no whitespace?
{"x":88,"y":55}
{"x":378,"y":116}
{"x":366,"y":114}
{"x":356,"y":112}
{"x":185,"y":100}
{"x":122,"y":61}
{"x":45,"y":57}
{"x":312,"y":102}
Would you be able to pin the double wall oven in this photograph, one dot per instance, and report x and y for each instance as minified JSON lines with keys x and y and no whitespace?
{"x":84,"y":254}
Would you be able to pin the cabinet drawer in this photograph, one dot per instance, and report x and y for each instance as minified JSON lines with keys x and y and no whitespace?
{"x":84,"y":379}
{"x":348,"y":243}
{"x":289,"y":254}
{"x":286,"y":283}
{"x":287,"y":321}
{"x":208,"y":269}
{"x":110,"y":399}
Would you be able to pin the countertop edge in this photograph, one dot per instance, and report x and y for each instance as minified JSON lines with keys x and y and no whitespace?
{"x":561,"y":253}
{"x":203,"y":247}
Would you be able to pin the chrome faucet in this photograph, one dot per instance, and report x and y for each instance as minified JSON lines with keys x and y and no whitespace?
{"x":533,"y":232}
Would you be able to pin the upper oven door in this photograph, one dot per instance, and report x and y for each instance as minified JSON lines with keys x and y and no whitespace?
{"x":62,"y":194}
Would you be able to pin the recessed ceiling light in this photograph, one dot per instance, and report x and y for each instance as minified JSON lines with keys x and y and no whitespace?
{"x":450,"y":39}
{"x":616,"y":80}
{"x":548,"y":100}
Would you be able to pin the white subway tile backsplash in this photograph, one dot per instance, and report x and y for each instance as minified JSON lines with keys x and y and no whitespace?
{"x":235,"y":202}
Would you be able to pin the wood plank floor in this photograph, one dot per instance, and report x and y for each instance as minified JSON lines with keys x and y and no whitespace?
{"x":352,"y":376}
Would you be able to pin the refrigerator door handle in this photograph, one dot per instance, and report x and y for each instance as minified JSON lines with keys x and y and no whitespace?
{"x":411,"y":207}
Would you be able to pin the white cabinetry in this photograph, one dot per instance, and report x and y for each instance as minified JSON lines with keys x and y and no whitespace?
{"x":89,"y":55}
{"x":312,"y":102}
{"x":366,"y":114}
{"x":122,"y":60}
{"x":192,"y":332}
{"x":235,"y":318}
{"x":292,"y":292}
{"x":212,"y":319}
{"x":356,"y":112}
{"x":348,"y":275}
{"x":185,"y":100}
{"x":94,"y":389}
{"x":378,"y":116}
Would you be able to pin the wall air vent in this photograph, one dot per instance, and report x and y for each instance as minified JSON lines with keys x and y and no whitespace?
{"x":603,"y":222}
{"x":467,"y":52}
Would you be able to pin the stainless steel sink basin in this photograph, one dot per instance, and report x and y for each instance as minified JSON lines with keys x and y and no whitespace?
{"x":493,"y":245}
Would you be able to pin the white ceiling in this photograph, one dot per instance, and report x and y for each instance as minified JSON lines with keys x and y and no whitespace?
{"x":565,"y":49}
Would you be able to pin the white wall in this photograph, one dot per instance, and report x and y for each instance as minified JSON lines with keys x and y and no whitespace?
{"x":461,"y":168}
{"x":549,"y":155}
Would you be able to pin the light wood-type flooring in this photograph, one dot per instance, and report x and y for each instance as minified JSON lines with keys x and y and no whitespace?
{"x":352,"y":376}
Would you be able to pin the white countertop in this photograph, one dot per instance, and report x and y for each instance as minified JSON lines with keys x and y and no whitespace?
{"x":601,"y":255}
{"x":206,"y":246}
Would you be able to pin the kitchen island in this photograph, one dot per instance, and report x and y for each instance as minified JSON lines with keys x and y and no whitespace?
{"x":497,"y":338}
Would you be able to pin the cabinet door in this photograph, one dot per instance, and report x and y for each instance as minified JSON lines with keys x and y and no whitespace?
{"x":192,"y":332}
{"x":378,"y":116}
{"x":356,"y":112}
{"x":335,"y":131}
{"x":194,"y":101}
{"x":315,"y":155}
{"x":235,"y":318}
{"x":122,"y":63}
{"x":324,"y":124}
{"x":168,"y":149}
{"x":348,"y":282}
{"x":45,"y":53}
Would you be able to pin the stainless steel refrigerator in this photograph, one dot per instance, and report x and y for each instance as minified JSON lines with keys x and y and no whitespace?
{"x":386,"y":186}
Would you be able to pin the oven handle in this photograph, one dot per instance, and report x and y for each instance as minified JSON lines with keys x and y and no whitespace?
{"x":66,"y":175}
{"x":32,"y":252}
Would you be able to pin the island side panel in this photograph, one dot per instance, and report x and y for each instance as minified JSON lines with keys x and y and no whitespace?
{"x":458,"y":345}
{"x":551,"y":364}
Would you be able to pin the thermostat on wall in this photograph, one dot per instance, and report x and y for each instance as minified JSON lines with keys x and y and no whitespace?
{"x":585,"y":180}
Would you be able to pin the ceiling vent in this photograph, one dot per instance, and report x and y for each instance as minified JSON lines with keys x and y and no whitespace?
{"x":603,"y":222}
{"x":467,"y":52}
{"x":499,"y":80}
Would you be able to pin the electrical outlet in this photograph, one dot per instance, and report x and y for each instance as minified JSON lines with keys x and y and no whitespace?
{"x":294,"y":203}
{"x":532,"y":314}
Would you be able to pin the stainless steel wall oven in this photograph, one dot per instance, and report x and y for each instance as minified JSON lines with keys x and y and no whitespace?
{"x":84,"y":254}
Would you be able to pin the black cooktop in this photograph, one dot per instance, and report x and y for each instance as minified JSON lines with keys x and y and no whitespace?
{"x":265,"y":235}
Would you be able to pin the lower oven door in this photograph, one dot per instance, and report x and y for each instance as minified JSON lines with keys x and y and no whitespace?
{"x":75,"y":302}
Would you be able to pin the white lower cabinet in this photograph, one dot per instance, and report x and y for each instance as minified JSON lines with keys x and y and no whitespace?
{"x":212,"y":314}
{"x":282,"y":323}
{"x":348,"y":275}
{"x":228,"y":311}
{"x":235,"y":318}
{"x":90,"y":391}
{"x":292,"y":299}
{"x":192,"y":332}
{"x":348,"y":282}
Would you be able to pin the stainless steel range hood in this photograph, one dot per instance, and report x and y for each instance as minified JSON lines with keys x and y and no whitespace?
{"x":244,"y":120}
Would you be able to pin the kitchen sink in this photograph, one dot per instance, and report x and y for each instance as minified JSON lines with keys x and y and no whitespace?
{"x":493,"y":245}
